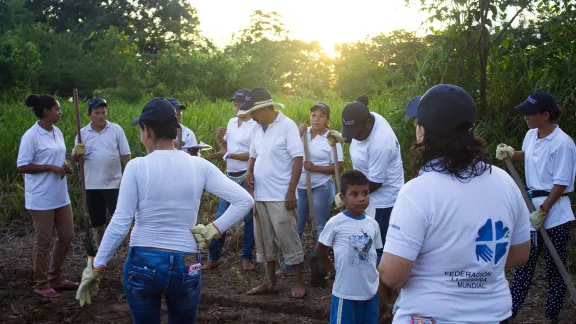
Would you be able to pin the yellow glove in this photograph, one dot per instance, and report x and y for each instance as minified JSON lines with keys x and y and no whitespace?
{"x":79,"y":149}
{"x":537,"y":218}
{"x":334,"y":137}
{"x":504,"y":151}
{"x":204,"y":234}
{"x":338,"y":201}
{"x":89,"y":284}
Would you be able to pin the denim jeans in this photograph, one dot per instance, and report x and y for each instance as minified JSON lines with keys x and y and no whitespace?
{"x":382,"y":217}
{"x":150,"y":274}
{"x":216,"y":246}
{"x":322,"y":197}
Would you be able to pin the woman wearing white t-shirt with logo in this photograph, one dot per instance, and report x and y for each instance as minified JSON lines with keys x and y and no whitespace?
{"x":321,"y":167}
{"x":549,"y":156}
{"x":162,"y":191}
{"x":456,"y":226}
{"x":42,"y":160}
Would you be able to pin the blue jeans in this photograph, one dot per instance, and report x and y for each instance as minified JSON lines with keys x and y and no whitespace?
{"x":382,"y":217}
{"x":215,"y":249}
{"x":150,"y":274}
{"x":323,"y":197}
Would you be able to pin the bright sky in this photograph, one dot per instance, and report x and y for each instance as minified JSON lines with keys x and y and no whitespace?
{"x":328,"y":22}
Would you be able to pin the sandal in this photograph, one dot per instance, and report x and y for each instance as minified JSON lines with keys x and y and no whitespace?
{"x":67,"y":285}
{"x":47,"y":293}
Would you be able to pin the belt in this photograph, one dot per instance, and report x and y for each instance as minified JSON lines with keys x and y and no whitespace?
{"x":541,"y":193}
{"x":236,"y":174}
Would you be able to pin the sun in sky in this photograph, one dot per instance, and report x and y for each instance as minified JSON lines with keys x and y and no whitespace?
{"x":325,"y":21}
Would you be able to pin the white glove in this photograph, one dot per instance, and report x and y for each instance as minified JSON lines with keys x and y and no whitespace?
{"x":537,"y":219}
{"x":504,"y":151}
{"x":335,"y":137}
{"x":79,"y":149}
{"x":204,"y":234}
{"x":338,"y":201}
{"x":89,"y":284}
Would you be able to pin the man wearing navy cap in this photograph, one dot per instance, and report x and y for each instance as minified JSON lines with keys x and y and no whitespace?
{"x":234,"y":142}
{"x":104,"y":146}
{"x":188,"y":136}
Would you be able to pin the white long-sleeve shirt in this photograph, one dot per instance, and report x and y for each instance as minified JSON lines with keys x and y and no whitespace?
{"x":163,"y":190}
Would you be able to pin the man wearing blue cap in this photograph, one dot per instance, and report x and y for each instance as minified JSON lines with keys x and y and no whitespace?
{"x":104,"y":147}
{"x":234,"y":142}
{"x":549,"y":157}
{"x":188,"y":136}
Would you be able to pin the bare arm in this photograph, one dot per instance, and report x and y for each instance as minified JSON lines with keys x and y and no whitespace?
{"x":326,"y":169}
{"x":125,"y":159}
{"x":37,"y":168}
{"x":394,"y":270}
{"x":555,"y":194}
{"x":296,"y":173}
{"x":239,"y":156}
{"x":518,"y":156}
{"x":322,"y":252}
{"x":374,"y":186}
{"x":518,"y":255}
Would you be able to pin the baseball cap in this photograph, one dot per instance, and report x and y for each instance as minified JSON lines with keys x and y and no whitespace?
{"x":176,"y":104}
{"x":354,"y":118}
{"x":158,"y":109}
{"x":443,"y":109}
{"x":240,"y":95}
{"x":95,"y":103}
{"x":538,"y":102}
{"x":322,"y":106}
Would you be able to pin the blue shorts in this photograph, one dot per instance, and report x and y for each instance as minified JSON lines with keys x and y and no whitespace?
{"x":345,"y":311}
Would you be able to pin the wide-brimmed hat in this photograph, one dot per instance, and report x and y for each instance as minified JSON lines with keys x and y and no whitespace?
{"x":257,"y":99}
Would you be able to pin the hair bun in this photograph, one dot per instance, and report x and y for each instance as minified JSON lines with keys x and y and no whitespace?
{"x":31,"y":100}
{"x":363,"y":99}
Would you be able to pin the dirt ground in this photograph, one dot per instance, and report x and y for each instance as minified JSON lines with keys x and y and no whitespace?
{"x":223,"y":294}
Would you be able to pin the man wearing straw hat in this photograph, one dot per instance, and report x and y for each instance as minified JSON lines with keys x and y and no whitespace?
{"x":274,"y":168}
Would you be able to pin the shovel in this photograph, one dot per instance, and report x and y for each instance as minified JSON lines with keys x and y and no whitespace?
{"x":319,"y":273}
{"x":542,"y":230}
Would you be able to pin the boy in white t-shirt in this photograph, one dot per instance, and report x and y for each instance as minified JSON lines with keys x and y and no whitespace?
{"x":354,"y":238}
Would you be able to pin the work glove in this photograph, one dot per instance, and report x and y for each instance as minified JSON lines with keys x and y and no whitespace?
{"x":338,"y":201}
{"x":89,"y":284}
{"x":537,"y":218}
{"x":504,"y":151}
{"x":334,"y":137}
{"x":204,"y":234}
{"x":79,"y":149}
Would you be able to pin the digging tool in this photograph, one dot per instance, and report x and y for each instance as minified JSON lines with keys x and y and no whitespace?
{"x":261,"y":239}
{"x":179,"y":138}
{"x":319,"y":273}
{"x":336,"y":168}
{"x":88,"y":245}
{"x":549,"y":245}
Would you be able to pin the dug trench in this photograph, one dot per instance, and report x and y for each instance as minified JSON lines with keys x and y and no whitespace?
{"x":223,"y":298}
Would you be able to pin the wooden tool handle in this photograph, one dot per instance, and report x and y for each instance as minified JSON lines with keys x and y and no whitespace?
{"x":309,"y":188}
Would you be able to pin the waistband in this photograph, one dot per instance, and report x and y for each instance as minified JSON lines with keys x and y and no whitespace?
{"x":541,"y":193}
{"x":236,"y":174}
{"x":161,"y":257}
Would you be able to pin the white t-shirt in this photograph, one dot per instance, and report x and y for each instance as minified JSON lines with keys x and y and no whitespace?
{"x":238,"y":140}
{"x":458,"y":234}
{"x":43,"y":191}
{"x":102,"y":164}
{"x":188,"y":136}
{"x":354,"y":241}
{"x":162,"y":191}
{"x":378,"y":157}
{"x":551,"y":161}
{"x":274,"y":151}
{"x":321,"y":155}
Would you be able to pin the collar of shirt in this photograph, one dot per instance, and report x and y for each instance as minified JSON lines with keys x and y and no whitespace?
{"x":42,"y":131}
{"x":550,"y":136}
{"x":354,"y":218}
{"x":92,"y":130}
{"x":321,"y":135}
{"x":279,"y":117}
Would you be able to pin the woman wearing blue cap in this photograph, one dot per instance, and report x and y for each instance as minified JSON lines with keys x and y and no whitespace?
{"x":457,"y":225}
{"x":549,"y":157}
{"x":164,"y":258}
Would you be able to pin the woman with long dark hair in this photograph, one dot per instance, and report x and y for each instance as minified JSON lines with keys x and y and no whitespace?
{"x":549,"y":156}
{"x":457,"y":225}
{"x":162,"y":191}
{"x":42,"y":160}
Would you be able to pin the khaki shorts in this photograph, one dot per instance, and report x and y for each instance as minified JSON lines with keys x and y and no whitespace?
{"x":279,"y":233}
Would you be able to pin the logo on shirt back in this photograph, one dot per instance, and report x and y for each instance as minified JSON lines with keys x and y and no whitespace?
{"x":492,"y":241}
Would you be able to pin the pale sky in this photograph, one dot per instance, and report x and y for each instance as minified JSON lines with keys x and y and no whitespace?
{"x":328,"y":22}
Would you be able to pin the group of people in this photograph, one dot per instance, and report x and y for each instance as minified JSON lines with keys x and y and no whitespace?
{"x":443,"y":239}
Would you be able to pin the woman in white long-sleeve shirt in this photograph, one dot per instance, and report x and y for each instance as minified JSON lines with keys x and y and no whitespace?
{"x":163,"y":190}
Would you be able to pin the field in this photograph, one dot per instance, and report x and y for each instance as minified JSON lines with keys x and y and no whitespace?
{"x":223,"y":300}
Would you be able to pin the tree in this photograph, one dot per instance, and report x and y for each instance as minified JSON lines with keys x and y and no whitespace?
{"x":19,"y":63}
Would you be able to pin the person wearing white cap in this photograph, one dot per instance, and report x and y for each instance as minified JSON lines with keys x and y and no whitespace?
{"x":549,"y":157}
{"x":162,"y":192}
{"x":274,"y":168}
{"x":104,"y":147}
{"x":457,"y":225}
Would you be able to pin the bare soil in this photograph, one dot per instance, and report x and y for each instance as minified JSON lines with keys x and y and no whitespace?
{"x":223,"y":294}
